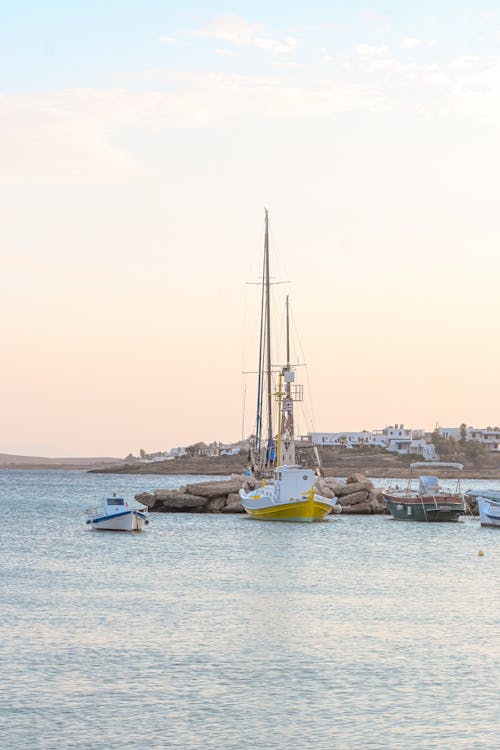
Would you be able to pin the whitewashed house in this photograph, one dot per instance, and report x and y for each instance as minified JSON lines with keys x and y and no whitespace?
{"x":397,"y":439}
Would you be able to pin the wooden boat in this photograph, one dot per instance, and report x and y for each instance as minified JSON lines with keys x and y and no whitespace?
{"x":284,"y":490}
{"x":114,"y":514}
{"x":427,"y":502}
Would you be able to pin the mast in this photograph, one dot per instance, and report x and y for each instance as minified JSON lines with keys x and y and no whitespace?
{"x":287,"y":443}
{"x":260,"y":382}
{"x":270,"y":457}
{"x":268,"y":336}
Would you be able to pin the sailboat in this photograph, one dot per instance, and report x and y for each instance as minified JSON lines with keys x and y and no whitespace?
{"x":286,"y":491}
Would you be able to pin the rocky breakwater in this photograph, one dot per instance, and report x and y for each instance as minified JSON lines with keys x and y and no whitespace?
{"x":356,"y":495}
{"x":199,"y":497}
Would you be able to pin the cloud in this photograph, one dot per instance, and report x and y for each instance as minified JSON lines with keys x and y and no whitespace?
{"x":369,"y":50}
{"x":225,"y":52}
{"x":410,"y":42}
{"x":56,"y":138}
{"x":73,"y":136}
{"x":372,"y":16}
{"x":168,"y":40}
{"x":239,"y":32}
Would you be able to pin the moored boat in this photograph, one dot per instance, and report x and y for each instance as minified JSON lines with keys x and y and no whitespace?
{"x":285,"y":491}
{"x":488,"y":503}
{"x":428,"y":501}
{"x":114,"y":514}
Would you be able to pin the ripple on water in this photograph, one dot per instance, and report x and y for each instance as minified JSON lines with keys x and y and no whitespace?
{"x":220,"y":632}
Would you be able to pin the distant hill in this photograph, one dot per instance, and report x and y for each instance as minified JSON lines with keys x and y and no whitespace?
{"x":12,"y":461}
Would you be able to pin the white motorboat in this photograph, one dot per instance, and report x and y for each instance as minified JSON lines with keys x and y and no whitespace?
{"x":114,"y":514}
{"x":488,"y":503}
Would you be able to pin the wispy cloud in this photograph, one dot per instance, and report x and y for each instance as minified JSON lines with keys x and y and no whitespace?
{"x":76,"y":136}
{"x":410,"y":42}
{"x":168,"y":40}
{"x":371,"y":50}
{"x":239,"y":32}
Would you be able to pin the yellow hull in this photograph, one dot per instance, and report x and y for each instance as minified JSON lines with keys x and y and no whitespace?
{"x":301,"y":511}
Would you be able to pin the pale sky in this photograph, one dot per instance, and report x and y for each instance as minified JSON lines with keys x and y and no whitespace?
{"x":139,"y":144}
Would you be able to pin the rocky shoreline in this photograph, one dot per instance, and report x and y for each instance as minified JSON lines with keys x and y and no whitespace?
{"x":376,"y":466}
{"x":356,"y":495}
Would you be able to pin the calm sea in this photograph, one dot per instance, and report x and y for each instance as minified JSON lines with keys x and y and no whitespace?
{"x":219,"y":632}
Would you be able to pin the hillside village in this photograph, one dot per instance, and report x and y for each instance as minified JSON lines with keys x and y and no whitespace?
{"x":442,"y":443}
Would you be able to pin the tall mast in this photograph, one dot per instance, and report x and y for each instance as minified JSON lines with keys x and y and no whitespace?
{"x":260,"y":382}
{"x":268,"y":334}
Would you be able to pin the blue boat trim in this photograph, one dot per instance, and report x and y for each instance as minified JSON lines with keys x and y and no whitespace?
{"x":118,"y":515}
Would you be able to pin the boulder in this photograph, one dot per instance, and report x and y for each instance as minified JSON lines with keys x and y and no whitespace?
{"x":165,"y":494}
{"x":324,"y":489}
{"x":333,"y":483}
{"x":349,"y":489}
{"x":355,"y":478}
{"x":146,"y":498}
{"x":376,"y":500}
{"x":184,"y":501}
{"x":360,"y":509}
{"x":216,"y":504}
{"x":355,"y":498}
{"x":214,"y":489}
{"x":233,"y":504}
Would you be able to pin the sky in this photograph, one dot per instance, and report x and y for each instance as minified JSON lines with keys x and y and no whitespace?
{"x":139,"y":145}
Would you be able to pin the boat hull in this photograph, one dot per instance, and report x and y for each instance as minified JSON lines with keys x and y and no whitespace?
{"x":430,"y":510}
{"x":489,"y":512}
{"x":130,"y":520}
{"x":298,"y":511}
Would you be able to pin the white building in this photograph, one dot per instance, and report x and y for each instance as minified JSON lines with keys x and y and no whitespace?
{"x":450,"y":432}
{"x":489,"y":436}
{"x":397,"y":439}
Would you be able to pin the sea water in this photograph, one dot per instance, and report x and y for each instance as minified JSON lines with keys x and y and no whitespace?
{"x":220,"y":632}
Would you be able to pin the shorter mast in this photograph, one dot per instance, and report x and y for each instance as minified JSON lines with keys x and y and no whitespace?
{"x":287,"y":437}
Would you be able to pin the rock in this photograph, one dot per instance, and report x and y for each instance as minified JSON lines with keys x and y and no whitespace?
{"x":183,"y":501}
{"x":216,"y":504}
{"x":333,"y":483}
{"x":355,"y":498}
{"x":146,"y":498}
{"x":360,"y":509}
{"x":355,"y":478}
{"x":324,"y":489}
{"x":326,"y":492}
{"x":349,"y":489}
{"x":376,"y":500}
{"x":165,"y":494}
{"x":214,"y":489}
{"x":233,"y":504}
{"x":337,"y":508}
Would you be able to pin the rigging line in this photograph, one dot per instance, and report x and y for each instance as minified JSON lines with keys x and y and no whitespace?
{"x":243,"y":411}
{"x":309,"y":389}
{"x":243,"y":358}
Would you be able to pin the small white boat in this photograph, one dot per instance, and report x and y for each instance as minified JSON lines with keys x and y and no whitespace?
{"x":114,"y":514}
{"x":489,"y":509}
{"x":488,"y":504}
